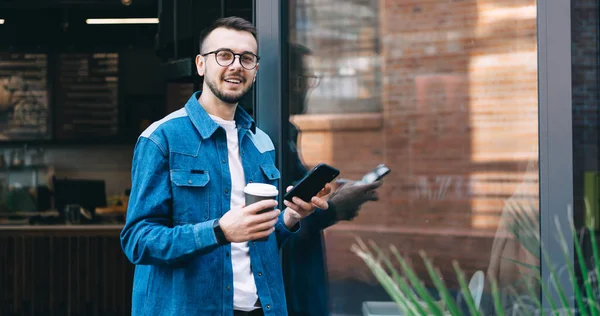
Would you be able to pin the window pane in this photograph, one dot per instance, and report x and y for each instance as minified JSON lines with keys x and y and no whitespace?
{"x":444,"y":93}
{"x":584,"y":49}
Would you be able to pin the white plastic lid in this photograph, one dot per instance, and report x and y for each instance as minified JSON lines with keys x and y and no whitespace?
{"x":261,"y":189}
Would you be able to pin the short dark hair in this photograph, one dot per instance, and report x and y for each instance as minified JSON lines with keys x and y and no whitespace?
{"x":232,"y":23}
{"x":296,"y":57}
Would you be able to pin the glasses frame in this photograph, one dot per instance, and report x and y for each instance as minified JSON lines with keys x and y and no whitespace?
{"x":299,"y":79}
{"x":239,"y":57}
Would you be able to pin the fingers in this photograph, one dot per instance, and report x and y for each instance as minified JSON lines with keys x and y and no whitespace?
{"x":291,"y":205}
{"x":261,"y":234}
{"x":264,"y":226}
{"x":342,"y":181}
{"x":304,"y":206}
{"x":326,"y":190}
{"x":289,"y":188}
{"x":373,"y":196}
{"x":370,"y":186}
{"x":375,"y":185}
{"x":369,"y":192}
{"x":319,"y":203}
{"x":297,"y":211}
{"x":301,"y":206}
{"x":265,"y":217}
{"x":259,"y":206}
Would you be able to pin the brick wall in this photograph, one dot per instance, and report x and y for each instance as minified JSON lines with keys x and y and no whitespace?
{"x":458,"y":127}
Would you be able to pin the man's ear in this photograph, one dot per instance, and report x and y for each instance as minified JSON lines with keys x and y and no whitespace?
{"x":200,"y":65}
{"x":255,"y":72}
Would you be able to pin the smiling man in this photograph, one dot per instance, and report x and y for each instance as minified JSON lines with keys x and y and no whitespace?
{"x":198,"y":249}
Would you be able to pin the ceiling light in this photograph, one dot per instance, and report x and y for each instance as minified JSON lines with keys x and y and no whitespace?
{"x":123,"y":21}
{"x":1,"y":21}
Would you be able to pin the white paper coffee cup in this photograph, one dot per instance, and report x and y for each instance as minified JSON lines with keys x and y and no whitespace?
{"x":256,"y":192}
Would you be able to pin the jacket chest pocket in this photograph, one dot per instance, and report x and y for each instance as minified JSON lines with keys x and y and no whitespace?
{"x":268,"y":174}
{"x":191,"y":195}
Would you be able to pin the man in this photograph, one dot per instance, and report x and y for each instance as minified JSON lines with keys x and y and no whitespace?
{"x":304,"y":262}
{"x":195,"y":244}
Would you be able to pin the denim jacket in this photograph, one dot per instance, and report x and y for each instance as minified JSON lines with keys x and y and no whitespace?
{"x":180,"y":185}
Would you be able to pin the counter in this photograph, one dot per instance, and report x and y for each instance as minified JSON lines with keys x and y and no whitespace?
{"x":80,"y":230}
{"x":64,"y":270}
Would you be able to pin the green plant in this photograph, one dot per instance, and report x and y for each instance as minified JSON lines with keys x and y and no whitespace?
{"x":412,"y":297}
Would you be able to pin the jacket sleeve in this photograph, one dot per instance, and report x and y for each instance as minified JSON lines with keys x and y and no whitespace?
{"x":282,"y":233}
{"x":317,"y":221}
{"x":149,"y":236}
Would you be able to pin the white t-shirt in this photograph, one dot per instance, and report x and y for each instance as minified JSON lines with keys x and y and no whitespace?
{"x":244,"y":287}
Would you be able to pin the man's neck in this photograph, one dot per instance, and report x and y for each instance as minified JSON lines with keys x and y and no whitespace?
{"x":214,"y":106}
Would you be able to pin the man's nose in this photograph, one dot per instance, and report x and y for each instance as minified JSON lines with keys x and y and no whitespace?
{"x":237,"y":62}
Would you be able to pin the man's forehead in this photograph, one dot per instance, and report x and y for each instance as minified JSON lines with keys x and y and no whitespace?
{"x":233,"y":39}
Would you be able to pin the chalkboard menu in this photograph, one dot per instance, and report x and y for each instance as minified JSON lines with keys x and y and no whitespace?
{"x":24,"y":110}
{"x":87,"y":98}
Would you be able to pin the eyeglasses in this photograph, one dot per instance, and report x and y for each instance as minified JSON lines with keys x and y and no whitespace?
{"x":225,"y":57}
{"x":307,"y":81}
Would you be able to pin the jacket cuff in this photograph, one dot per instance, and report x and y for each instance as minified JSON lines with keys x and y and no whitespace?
{"x":282,"y":228}
{"x":205,"y":235}
{"x":330,"y":214}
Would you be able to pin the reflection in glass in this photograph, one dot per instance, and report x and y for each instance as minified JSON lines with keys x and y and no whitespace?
{"x":586,"y":157}
{"x":445,"y":94}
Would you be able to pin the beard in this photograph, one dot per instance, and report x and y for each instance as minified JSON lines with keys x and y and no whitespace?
{"x":230,"y":98}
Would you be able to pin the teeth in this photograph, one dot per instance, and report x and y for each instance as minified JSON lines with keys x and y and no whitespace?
{"x":233,"y":80}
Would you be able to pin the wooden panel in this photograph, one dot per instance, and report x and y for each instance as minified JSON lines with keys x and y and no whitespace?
{"x":64,"y":275}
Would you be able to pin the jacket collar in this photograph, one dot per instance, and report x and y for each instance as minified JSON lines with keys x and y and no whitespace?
{"x":205,"y":124}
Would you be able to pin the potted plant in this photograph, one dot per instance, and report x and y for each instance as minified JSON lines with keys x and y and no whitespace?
{"x":412,"y":298}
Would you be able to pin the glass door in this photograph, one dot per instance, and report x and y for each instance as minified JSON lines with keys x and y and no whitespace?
{"x":445,"y":94}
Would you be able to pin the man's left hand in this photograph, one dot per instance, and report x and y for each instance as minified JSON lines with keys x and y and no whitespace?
{"x":299,"y":209}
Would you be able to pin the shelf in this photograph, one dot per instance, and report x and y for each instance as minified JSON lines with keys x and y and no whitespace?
{"x":25,"y":168}
{"x":29,"y":214}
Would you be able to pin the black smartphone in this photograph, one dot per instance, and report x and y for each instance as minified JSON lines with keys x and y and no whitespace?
{"x":376,"y":174}
{"x":313,"y":182}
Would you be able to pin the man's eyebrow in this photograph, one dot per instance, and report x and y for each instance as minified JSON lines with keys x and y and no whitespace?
{"x":220,"y":48}
{"x":244,"y":52}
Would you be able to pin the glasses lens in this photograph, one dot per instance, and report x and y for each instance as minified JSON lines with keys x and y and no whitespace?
{"x":248,"y":61}
{"x":307,"y":81}
{"x":312,"y":81}
{"x":224,"y":58}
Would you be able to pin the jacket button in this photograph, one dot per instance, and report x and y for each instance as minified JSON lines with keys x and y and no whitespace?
{"x":226,"y":190}
{"x":268,"y":306}
{"x":228,"y":288}
{"x":223,"y":161}
{"x":250,"y":181}
{"x":190,"y":181}
{"x":260,"y":274}
{"x":242,"y":152}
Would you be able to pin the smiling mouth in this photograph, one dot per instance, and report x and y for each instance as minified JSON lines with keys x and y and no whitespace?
{"x":234,"y":80}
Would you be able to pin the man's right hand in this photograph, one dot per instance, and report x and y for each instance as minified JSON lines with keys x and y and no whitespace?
{"x":245,"y":224}
{"x":351,"y":196}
